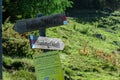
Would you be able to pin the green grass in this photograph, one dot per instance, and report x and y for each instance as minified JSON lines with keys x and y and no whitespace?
{"x":79,"y":57}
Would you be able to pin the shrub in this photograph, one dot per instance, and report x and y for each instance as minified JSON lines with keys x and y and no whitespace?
{"x":14,"y":44}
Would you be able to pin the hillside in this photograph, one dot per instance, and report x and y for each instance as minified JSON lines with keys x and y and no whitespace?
{"x":92,"y":49}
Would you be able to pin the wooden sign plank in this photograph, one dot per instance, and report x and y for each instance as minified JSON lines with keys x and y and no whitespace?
{"x":38,"y":23}
{"x":48,"y":66}
{"x":46,"y":43}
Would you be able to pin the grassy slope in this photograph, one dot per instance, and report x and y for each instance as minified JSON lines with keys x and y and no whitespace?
{"x":84,"y":56}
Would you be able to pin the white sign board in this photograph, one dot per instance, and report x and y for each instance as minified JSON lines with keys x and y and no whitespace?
{"x":46,"y":43}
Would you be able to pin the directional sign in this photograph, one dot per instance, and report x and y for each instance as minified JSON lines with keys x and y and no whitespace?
{"x":27,"y":25}
{"x":48,"y":66}
{"x":46,"y":43}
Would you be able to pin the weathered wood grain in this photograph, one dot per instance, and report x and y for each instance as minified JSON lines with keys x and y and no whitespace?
{"x":28,"y":25}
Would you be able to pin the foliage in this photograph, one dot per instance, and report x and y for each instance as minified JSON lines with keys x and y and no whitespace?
{"x":54,"y":6}
{"x":19,"y":75}
{"x":26,"y":8}
{"x":85,"y":56}
{"x":15,"y":44}
{"x":23,"y":75}
{"x":96,"y":4}
{"x":111,"y":21}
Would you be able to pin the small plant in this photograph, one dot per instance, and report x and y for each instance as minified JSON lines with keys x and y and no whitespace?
{"x":112,"y":57}
{"x":99,"y":53}
{"x":23,"y":75}
{"x":85,"y":30}
{"x":85,"y":50}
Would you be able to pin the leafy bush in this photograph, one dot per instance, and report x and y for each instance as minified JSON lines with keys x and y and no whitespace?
{"x":111,"y":21}
{"x":23,"y":75}
{"x":16,"y":45}
{"x":27,"y":9}
{"x":80,"y":60}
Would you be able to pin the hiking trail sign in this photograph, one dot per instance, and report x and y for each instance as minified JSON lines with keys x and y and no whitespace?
{"x":46,"y":43}
{"x":47,"y":66}
{"x":38,"y":23}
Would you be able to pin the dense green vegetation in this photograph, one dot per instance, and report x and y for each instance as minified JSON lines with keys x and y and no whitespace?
{"x":92,"y":49}
{"x":92,"y":38}
{"x":17,"y":9}
{"x":96,"y":4}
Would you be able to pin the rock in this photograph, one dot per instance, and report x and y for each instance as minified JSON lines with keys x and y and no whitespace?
{"x":118,"y":49}
{"x":115,"y":43}
{"x":100,"y":36}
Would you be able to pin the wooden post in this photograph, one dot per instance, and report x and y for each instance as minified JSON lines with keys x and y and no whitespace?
{"x":40,"y":23}
{"x":0,"y":39}
{"x":42,"y":32}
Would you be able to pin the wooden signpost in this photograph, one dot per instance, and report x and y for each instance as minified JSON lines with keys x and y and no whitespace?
{"x":0,"y":39}
{"x":27,"y":25}
{"x":47,"y":66}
